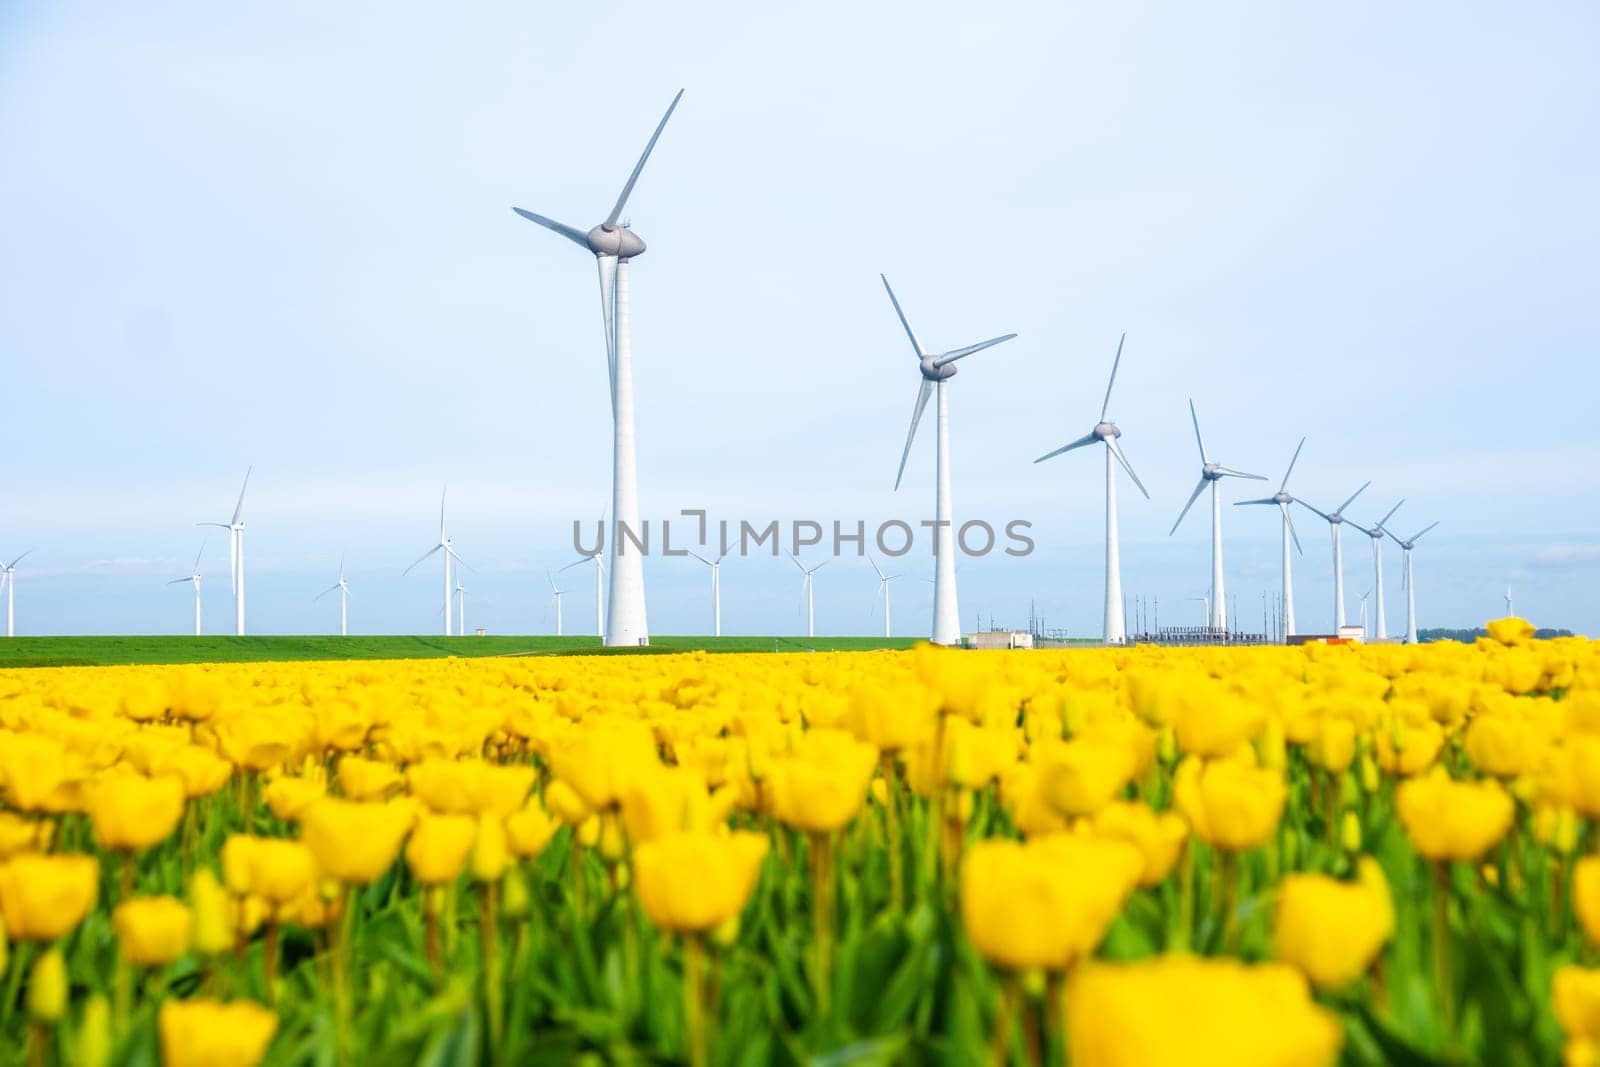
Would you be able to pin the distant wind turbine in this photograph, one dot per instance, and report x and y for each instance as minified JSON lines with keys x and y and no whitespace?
{"x":1115,"y":629}
{"x":1510,"y":611}
{"x":235,"y":528}
{"x":1210,"y":474}
{"x":8,"y":578}
{"x":936,"y":369}
{"x":1364,"y":597}
{"x":193,"y":578}
{"x":716,"y":590}
{"x":808,"y":585}
{"x":599,"y":561}
{"x":1376,"y":533}
{"x":343,"y":589}
{"x":446,"y":546}
{"x":883,"y":590}
{"x":461,"y":607}
{"x":556,"y":594}
{"x":1282,"y":499}
{"x":1336,"y":520}
{"x":1406,"y":580}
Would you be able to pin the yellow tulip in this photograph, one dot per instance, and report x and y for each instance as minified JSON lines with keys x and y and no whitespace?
{"x":1229,"y":804}
{"x":131,"y":813}
{"x":288,"y":798}
{"x":1407,"y":749}
{"x":42,"y":897}
{"x":438,"y":849}
{"x":1159,"y":836}
{"x":1208,"y":1011}
{"x":94,"y":1033}
{"x":694,"y":881}
{"x":1080,"y":777}
{"x":1450,"y":820}
{"x":152,"y":931}
{"x":1333,"y":930}
{"x":365,"y":779}
{"x":47,"y":987}
{"x":1575,"y":996}
{"x":528,"y":831}
{"x":822,"y":783}
{"x":19,"y":834}
{"x":273,"y":869}
{"x":213,"y":925}
{"x":208,"y":1033}
{"x":1045,"y":903}
{"x":602,"y":760}
{"x":491,"y":854}
{"x":355,"y":841}
{"x":1511,"y":630}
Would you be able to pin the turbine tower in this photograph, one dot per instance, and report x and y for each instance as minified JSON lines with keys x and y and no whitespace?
{"x":235,"y":528}
{"x":936,"y":369}
{"x":1381,"y":628}
{"x":883,"y":588}
{"x":808,"y":585}
{"x":1210,"y":474}
{"x":1335,"y":521}
{"x":193,"y":578}
{"x":461,"y":607}
{"x":343,"y":588}
{"x":1406,"y":580}
{"x":8,"y":578}
{"x":716,"y":590}
{"x":614,"y":247}
{"x":1115,"y":629}
{"x":446,"y":546}
{"x":556,"y":594}
{"x":1364,"y":597}
{"x":1282,"y":499}
{"x":1510,"y":611}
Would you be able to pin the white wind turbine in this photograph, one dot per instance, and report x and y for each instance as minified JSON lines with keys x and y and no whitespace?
{"x":598,"y":559}
{"x":461,"y":607}
{"x":936,"y":369}
{"x":1210,"y":474}
{"x":1376,"y":533}
{"x":235,"y":528}
{"x":446,"y":546}
{"x":809,"y":585}
{"x":1510,"y":611}
{"x":1364,"y":597}
{"x":1335,"y":521}
{"x":883,"y":590}
{"x":8,"y":578}
{"x":342,"y":587}
{"x":716,"y":590}
{"x":1282,"y":499}
{"x":1115,"y":628}
{"x":556,"y":594}
{"x":1406,"y":580}
{"x":614,"y":247}
{"x":193,"y":578}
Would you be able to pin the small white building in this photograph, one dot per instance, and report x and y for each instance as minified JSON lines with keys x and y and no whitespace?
{"x":1000,"y":639}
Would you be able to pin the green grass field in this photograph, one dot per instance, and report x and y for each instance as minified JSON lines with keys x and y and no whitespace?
{"x":108,"y":651}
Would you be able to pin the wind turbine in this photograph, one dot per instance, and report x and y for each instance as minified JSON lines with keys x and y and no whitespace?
{"x":8,"y":578}
{"x":343,"y":588}
{"x":1282,"y":499}
{"x":599,"y":583}
{"x":194,"y":579}
{"x":1205,"y":606}
{"x":1406,"y":580}
{"x":1115,"y":629}
{"x":716,"y":589}
{"x":808,"y":585}
{"x":1364,"y":597}
{"x":235,"y":528}
{"x":1381,"y":631}
{"x":614,"y":247}
{"x":1510,"y":611}
{"x":1210,"y":474}
{"x":936,"y":369}
{"x":448,"y":548}
{"x":883,"y":588}
{"x":556,"y":594}
{"x":461,"y":607}
{"x":1335,"y":521}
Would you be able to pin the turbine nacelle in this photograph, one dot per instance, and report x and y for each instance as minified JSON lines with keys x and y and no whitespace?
{"x":1106,"y":430}
{"x":934,"y":372}
{"x":617,"y":241}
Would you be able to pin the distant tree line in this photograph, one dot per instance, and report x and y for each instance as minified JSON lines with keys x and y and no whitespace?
{"x":1468,"y":636}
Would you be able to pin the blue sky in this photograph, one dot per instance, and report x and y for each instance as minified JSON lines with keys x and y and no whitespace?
{"x":281,"y":236}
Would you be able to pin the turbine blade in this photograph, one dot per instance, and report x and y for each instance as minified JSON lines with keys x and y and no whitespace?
{"x":1293,"y":533}
{"x":1105,"y":407}
{"x":420,"y":558}
{"x":701,"y":558}
{"x":218,"y":525}
{"x":1418,"y":535}
{"x":1263,"y":500}
{"x":1353,"y":496}
{"x":196,"y":568}
{"x":1230,"y":472}
{"x":461,"y":561}
{"x":876,"y":569}
{"x":442,"y":493}
{"x":916,"y":345}
{"x":1197,"y":438}
{"x":1292,"y":461}
{"x":1192,"y":498}
{"x":1394,"y":538}
{"x":1086,"y":439}
{"x":1116,"y":450}
{"x":797,"y":563}
{"x":571,"y":233}
{"x":239,"y":507}
{"x":923,"y":392}
{"x":325,"y":592}
{"x":580,"y":561}
{"x":962,"y":353}
{"x":616,"y":212}
{"x":1385,"y":520}
{"x":12,"y":565}
{"x":1319,"y":511}
{"x":175,"y":581}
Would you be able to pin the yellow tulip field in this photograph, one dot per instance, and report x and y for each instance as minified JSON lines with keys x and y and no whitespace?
{"x":1123,"y":857}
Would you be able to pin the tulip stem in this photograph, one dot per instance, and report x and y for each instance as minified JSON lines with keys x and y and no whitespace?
{"x":1186,"y":876}
{"x":341,"y":974}
{"x":19,"y":964}
{"x":891,"y":832}
{"x":38,"y":1044}
{"x":1000,"y":1039}
{"x":1228,"y":873}
{"x":1442,"y":981}
{"x":821,"y":919}
{"x":269,"y":960}
{"x":489,"y":928}
{"x":125,"y":883}
{"x":430,"y":936}
{"x":694,"y":992}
